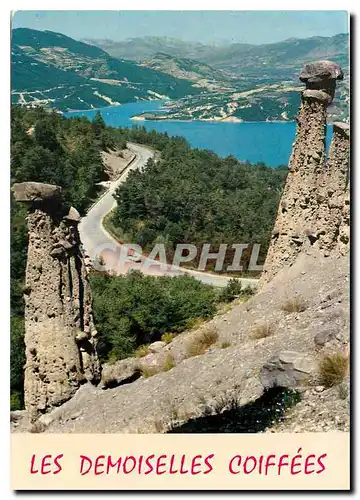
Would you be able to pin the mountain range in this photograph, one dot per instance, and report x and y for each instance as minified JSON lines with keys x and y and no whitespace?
{"x":52,"y":69}
{"x":234,"y":82}
{"x":245,"y":82}
{"x":140,"y":49}
{"x":236,"y":57}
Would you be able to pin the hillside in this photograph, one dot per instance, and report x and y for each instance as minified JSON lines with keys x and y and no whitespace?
{"x":238,"y":82}
{"x":203,"y":75}
{"x":53,"y":69}
{"x":71,"y":152}
{"x":143,"y":48}
{"x":268,"y":102}
{"x":243,"y":82}
{"x":178,"y":201}
{"x":285,"y":55}
{"x":236,"y":57}
{"x":223,"y":389}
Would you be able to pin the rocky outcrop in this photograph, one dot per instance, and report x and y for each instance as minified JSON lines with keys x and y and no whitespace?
{"x":333,"y":220}
{"x":60,"y":337}
{"x":314,"y":208}
{"x":286,"y":369}
{"x":122,"y":372}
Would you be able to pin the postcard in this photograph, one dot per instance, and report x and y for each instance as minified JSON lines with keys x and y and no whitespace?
{"x":180,"y":250}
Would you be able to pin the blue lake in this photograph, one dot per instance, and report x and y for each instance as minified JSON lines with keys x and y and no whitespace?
{"x":266,"y":142}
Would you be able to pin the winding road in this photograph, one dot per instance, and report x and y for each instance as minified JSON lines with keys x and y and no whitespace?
{"x":97,"y":242}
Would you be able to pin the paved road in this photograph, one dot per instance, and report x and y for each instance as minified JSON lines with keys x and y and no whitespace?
{"x":98,"y":242}
{"x":93,"y":235}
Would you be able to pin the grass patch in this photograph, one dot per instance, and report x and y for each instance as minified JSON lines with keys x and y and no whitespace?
{"x":224,"y":308}
{"x":333,"y":369}
{"x":294,"y":305}
{"x":168,"y":337}
{"x":141,"y":351}
{"x":201,"y":342}
{"x":261,"y":331}
{"x":165,"y":366}
{"x":194,"y":323}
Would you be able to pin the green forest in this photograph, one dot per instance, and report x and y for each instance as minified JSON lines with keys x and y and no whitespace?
{"x":188,"y":196}
{"x":194,"y":196}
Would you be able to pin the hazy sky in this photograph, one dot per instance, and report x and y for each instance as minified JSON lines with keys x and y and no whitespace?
{"x":203,"y":26}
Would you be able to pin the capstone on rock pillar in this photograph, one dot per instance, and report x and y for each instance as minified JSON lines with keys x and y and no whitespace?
{"x":296,"y":221}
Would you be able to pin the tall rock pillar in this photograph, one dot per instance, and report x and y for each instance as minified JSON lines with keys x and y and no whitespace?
{"x":333,"y":194}
{"x":296,"y":221}
{"x":60,"y":337}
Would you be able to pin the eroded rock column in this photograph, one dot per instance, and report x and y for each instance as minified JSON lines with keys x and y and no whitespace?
{"x":60,"y":337}
{"x":333,"y":194}
{"x":296,"y":225}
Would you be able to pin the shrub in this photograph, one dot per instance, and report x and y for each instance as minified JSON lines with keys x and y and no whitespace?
{"x":224,"y":402}
{"x":234,"y":290}
{"x":17,"y":362}
{"x":261,"y":331}
{"x":201,"y":342}
{"x":16,"y":401}
{"x":168,"y":364}
{"x":333,"y":369}
{"x":112,"y":358}
{"x":294,"y":305}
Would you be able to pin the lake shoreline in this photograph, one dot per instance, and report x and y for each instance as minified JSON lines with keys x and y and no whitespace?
{"x":256,"y":142}
{"x":225,"y":120}
{"x":140,"y":119}
{"x":228,"y":119}
{"x":110,"y":106}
